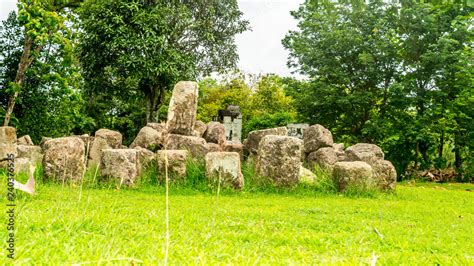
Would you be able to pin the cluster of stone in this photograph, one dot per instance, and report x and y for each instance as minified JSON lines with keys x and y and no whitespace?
{"x":362,"y":164}
{"x":279,"y":158}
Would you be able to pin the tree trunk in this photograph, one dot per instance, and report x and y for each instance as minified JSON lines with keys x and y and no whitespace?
{"x":441,"y":145}
{"x":25,"y":61}
{"x":457,"y":150}
{"x":155,"y":98}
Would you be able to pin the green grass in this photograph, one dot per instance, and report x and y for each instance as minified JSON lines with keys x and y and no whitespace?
{"x":99,"y":224}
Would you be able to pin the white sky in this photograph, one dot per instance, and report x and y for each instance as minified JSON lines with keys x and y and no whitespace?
{"x":260,"y":50}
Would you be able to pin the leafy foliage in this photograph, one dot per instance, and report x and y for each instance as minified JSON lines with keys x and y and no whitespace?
{"x":388,"y":73}
{"x":133,"y":52}
{"x":50,"y":102}
{"x":263,"y":104}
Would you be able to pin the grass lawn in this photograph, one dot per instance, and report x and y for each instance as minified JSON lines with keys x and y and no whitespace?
{"x":419,"y":224}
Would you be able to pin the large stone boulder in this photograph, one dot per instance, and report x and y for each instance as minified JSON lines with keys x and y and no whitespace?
{"x":199,"y":129}
{"x":148,"y":138}
{"x":122,"y":165}
{"x":324,"y":157}
{"x":25,"y":140}
{"x":254,"y":137}
{"x":113,"y":138}
{"x":182,"y":108}
{"x":22,"y":165}
{"x":316,"y":137}
{"x":176,"y":164}
{"x":195,"y":145}
{"x":215,"y":133}
{"x":353,"y":175}
{"x":366,"y":152}
{"x":226,"y":167}
{"x":278,"y":159}
{"x":7,"y":142}
{"x":64,"y":159}
{"x":385,"y":174}
{"x":104,"y":139}
{"x":32,"y":153}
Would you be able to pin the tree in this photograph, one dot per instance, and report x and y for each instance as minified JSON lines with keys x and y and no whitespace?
{"x":140,"y":49}
{"x":349,"y":52}
{"x":394,"y":74}
{"x":262,"y":100}
{"x":42,"y":22}
{"x":50,"y":103}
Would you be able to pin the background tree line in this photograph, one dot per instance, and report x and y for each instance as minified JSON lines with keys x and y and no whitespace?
{"x":395,"y":74}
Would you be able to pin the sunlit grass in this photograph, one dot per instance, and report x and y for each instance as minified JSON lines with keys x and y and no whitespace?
{"x":419,"y":224}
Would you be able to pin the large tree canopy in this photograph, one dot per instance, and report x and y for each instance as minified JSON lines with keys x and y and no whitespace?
{"x":389,"y":73}
{"x":43,"y":24}
{"x":50,"y":102}
{"x":137,"y":50}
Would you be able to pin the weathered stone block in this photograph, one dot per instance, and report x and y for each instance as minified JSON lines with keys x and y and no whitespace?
{"x":120,"y":164}
{"x":33,"y":153}
{"x":176,"y":163}
{"x":279,"y":159}
{"x":7,"y":142}
{"x":366,"y":152}
{"x":104,"y":139}
{"x":112,"y":137}
{"x":195,"y":145}
{"x":385,"y":174}
{"x":64,"y":159}
{"x":215,"y":133}
{"x":315,"y":137}
{"x":226,"y":167}
{"x":148,"y":138}
{"x":324,"y":157}
{"x":353,"y":174}
{"x":254,"y":137}
{"x":199,"y":129}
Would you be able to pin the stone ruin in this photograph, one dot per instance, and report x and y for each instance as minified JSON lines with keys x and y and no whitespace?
{"x":279,"y":155}
{"x":232,"y":120}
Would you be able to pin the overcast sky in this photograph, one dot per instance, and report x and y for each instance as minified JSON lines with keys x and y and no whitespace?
{"x":260,"y":50}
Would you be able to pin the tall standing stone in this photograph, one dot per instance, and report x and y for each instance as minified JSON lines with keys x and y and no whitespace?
{"x":182,"y":109}
{"x":279,"y":159}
